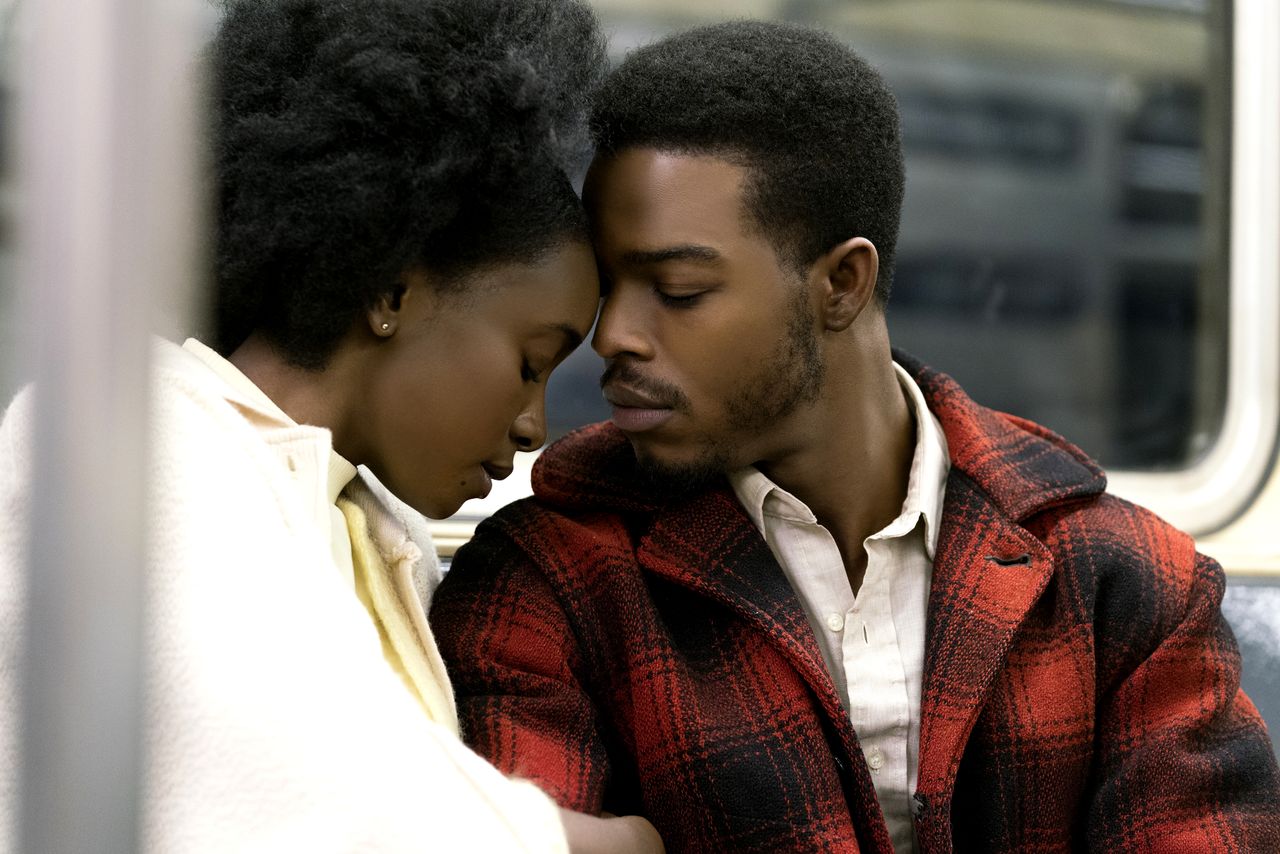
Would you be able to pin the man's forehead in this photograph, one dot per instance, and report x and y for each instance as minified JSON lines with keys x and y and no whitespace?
{"x":670,"y":197}
{"x":658,"y":168}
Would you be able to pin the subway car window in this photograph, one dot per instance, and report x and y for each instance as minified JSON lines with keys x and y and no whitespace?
{"x":1063,"y":244}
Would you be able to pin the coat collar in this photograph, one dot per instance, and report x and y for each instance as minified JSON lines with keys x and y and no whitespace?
{"x":707,"y":543}
{"x":1020,"y":466}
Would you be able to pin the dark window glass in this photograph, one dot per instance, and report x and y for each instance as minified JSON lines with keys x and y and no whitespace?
{"x":1063,"y":243}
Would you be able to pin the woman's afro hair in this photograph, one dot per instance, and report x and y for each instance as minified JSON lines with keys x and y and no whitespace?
{"x":813,"y":123}
{"x":356,"y":139}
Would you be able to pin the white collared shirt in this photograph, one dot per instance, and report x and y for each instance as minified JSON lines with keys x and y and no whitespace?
{"x":873,"y":644}
{"x":263,"y":413}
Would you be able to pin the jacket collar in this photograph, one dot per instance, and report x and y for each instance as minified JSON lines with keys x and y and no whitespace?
{"x":1020,"y":466}
{"x":275,"y":427}
{"x":704,"y":542}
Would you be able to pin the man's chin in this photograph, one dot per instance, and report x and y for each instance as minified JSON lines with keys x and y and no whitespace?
{"x":681,"y":477}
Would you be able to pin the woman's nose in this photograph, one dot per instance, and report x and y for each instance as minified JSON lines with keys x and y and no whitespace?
{"x":529,"y":429}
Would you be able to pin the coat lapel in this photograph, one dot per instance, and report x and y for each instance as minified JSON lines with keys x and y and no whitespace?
{"x":709,"y":545}
{"x":989,"y":571}
{"x":988,"y":574}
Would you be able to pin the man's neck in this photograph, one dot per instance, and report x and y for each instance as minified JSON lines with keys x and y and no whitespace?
{"x":854,"y":475}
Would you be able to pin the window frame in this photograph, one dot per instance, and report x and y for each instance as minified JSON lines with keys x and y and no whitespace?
{"x":1219,"y":487}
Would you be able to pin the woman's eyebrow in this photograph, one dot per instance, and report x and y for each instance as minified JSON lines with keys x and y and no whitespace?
{"x":572,"y":337}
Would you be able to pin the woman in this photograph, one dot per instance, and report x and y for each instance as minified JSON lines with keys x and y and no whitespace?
{"x":400,"y":263}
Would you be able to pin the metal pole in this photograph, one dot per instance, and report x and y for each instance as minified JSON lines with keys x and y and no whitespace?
{"x":106,"y":196}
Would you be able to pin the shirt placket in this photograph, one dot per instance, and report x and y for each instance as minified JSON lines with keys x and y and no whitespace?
{"x":876,"y":678}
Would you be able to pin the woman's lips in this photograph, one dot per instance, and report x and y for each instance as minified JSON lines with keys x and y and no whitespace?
{"x":489,"y":473}
{"x":486,"y":483}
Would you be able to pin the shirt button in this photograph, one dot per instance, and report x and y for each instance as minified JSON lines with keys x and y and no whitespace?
{"x":835,"y":622}
{"x":875,"y":759}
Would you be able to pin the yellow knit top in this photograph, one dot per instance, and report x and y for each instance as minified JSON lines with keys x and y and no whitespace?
{"x":407,"y":644}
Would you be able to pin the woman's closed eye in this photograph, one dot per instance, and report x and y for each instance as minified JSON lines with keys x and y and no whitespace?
{"x":536,"y":366}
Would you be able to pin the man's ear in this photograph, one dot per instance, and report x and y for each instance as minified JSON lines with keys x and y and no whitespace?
{"x":847,"y":275}
{"x":384,"y":314}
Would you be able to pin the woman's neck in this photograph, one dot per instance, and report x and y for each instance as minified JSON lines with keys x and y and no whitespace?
{"x":318,"y":397}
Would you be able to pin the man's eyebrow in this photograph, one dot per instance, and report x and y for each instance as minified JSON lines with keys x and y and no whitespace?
{"x":685,"y":252}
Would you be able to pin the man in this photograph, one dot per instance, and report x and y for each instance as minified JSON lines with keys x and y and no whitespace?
{"x":802,"y":593}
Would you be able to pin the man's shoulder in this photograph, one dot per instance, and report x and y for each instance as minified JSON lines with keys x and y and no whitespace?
{"x":1036,"y":476}
{"x":580,"y":490}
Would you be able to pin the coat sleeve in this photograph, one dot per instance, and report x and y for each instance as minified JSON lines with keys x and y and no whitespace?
{"x":517,"y":668}
{"x":1183,"y":760}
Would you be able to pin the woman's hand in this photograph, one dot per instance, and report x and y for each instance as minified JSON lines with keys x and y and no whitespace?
{"x":610,"y":834}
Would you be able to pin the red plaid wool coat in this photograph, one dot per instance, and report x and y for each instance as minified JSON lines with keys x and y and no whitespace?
{"x":1081,"y":689}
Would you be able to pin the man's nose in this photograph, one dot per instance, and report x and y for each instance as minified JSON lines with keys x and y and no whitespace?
{"x":621,"y":327}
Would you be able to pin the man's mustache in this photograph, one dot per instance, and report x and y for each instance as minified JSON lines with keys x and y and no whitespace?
{"x":626,"y":374}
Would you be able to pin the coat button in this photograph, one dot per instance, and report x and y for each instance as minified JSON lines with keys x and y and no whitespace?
{"x":835,"y":622}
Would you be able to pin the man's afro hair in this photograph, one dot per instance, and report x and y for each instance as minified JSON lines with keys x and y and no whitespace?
{"x":814,"y":124}
{"x":356,"y":139}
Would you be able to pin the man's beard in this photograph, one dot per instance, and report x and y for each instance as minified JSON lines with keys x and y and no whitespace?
{"x":791,"y":377}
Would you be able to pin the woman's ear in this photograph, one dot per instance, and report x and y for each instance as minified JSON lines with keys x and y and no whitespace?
{"x":847,"y":275}
{"x":384,"y":314}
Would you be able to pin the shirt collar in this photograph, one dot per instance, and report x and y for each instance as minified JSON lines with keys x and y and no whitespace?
{"x":930,"y":463}
{"x":262,"y":412}
{"x":926,"y":482}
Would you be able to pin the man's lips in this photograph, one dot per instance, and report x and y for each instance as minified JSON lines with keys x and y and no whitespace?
{"x":634,"y":411}
{"x":631,"y":398}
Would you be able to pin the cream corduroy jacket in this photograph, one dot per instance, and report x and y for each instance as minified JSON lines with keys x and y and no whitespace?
{"x":273,"y":722}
